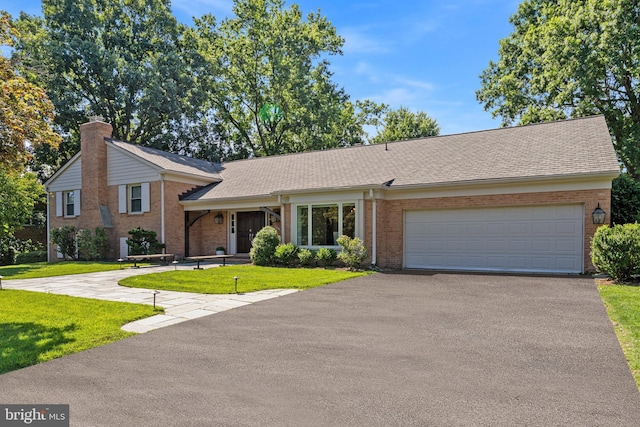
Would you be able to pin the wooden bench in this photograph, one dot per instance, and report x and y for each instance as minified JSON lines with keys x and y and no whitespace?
{"x":207,"y":258}
{"x":136,"y":258}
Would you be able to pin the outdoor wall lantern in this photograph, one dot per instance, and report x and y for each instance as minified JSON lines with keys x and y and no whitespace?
{"x":598,"y":215}
{"x":218,"y":219}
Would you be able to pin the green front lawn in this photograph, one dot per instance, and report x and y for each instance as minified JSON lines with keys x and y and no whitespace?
{"x":45,"y":269}
{"x":250,"y":278}
{"x":36,"y":327}
{"x":623,"y":306}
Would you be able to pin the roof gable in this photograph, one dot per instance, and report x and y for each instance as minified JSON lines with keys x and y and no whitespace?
{"x":169,"y":162}
{"x":72,"y":166}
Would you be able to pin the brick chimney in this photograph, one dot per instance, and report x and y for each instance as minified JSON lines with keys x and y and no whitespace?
{"x":94,"y":171}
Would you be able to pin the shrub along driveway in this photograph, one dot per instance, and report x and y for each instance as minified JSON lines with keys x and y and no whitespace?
{"x":386,"y":349}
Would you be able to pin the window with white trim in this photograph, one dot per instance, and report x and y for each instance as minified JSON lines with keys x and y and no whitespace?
{"x":135,"y":198}
{"x":69,"y":203}
{"x":322,"y":224}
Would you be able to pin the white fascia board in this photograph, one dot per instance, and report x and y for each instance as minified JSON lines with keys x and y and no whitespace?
{"x":362,"y":187}
{"x":170,"y":175}
{"x":327,"y":197}
{"x":489,"y":187}
{"x":228,"y":204}
{"x":61,"y":170}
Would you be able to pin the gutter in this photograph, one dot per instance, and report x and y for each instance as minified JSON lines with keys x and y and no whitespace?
{"x":162,"y":237}
{"x":48,"y":226}
{"x":510,"y":180}
{"x":374,"y":227}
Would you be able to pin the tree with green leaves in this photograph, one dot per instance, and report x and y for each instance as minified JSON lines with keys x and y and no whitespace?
{"x":403,"y":124}
{"x":26,"y":116}
{"x":124,"y":60}
{"x":625,"y":200}
{"x":19,"y":194}
{"x":269,"y":82}
{"x":26,"y":113}
{"x":571,"y":58}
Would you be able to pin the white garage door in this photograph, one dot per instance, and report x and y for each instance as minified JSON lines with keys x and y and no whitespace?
{"x":526,"y":239}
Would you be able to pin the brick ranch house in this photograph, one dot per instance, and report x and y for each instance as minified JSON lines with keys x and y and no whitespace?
{"x":513,"y":199}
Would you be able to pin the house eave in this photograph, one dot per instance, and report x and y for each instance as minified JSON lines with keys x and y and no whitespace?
{"x":595,"y":176}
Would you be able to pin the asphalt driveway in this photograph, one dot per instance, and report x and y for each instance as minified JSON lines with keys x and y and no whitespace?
{"x":391,"y":349}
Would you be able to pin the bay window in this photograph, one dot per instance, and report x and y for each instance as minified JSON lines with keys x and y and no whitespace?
{"x":322,"y":224}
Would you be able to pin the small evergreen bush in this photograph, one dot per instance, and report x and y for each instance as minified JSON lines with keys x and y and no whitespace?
{"x":616,"y":251}
{"x":65,"y":239}
{"x":306,"y":256}
{"x":286,"y":253}
{"x":264,"y":245}
{"x":144,"y":242}
{"x":327,"y":256}
{"x":353,"y":251}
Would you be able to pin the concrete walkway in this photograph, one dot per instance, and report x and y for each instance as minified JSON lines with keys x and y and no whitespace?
{"x":179,"y":306}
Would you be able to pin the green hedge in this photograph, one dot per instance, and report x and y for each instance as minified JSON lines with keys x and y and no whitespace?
{"x":616,"y":251}
{"x":31,"y":257}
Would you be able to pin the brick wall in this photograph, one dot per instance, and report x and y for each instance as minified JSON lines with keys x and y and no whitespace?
{"x":94,"y":172}
{"x":205,"y":235}
{"x":391,"y":218}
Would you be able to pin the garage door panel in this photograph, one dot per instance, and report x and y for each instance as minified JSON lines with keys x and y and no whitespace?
{"x":517,"y":263}
{"x":566,"y":246}
{"x":543,"y":227}
{"x":537,"y":238}
{"x":497,"y":245}
{"x":496,"y":228}
{"x":519,"y":245}
{"x":566,"y":227}
{"x":497,"y":262}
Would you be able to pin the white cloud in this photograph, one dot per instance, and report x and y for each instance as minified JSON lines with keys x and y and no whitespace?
{"x":397,"y":97}
{"x":424,"y":85}
{"x":357,"y":41}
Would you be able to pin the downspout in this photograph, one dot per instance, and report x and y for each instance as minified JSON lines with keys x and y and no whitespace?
{"x":282,"y":219}
{"x":162,"y":208}
{"x":374,"y":228}
{"x":48,"y":227}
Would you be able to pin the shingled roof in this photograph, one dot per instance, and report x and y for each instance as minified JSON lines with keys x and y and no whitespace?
{"x":565,"y":148}
{"x":171,"y":162}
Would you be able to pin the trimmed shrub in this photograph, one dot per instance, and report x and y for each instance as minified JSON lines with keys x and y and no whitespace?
{"x":31,"y":257}
{"x":144,"y":242}
{"x":264,"y":246}
{"x":286,"y":253}
{"x":327,"y":256}
{"x":353,"y":251}
{"x":616,"y":251}
{"x":306,"y":256}
{"x":92,"y":247}
{"x":65,"y":239}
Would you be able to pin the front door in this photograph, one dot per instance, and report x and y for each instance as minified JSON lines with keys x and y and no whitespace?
{"x":249,"y":223}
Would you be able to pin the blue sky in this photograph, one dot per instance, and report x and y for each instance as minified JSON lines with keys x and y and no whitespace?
{"x":422,"y":55}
